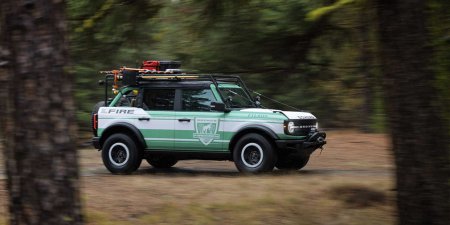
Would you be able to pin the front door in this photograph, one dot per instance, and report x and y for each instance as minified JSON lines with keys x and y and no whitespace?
{"x":197,"y":128}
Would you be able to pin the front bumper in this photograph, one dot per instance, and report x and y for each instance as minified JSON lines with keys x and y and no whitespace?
{"x":96,"y":142}
{"x":314,"y":141}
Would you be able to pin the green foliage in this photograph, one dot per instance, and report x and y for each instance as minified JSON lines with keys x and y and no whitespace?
{"x":105,"y":35}
{"x":274,"y":44}
{"x":440,"y":29}
{"x":308,"y":54}
{"x":319,"y":12}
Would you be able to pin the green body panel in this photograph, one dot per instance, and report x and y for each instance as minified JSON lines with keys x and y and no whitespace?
{"x":166,"y":135}
{"x":224,"y":85}
{"x":204,"y":132}
{"x":216,"y":93}
{"x":188,"y":135}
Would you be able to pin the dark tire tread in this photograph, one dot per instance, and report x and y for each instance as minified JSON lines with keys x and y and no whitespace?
{"x":134,"y":160}
{"x":162,"y":161}
{"x":269,"y":155}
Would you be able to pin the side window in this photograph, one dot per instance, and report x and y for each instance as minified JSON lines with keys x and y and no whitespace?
{"x":158,"y":99}
{"x":128,"y":99}
{"x":197,"y":99}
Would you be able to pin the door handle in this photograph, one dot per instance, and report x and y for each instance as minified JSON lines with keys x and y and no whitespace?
{"x":184,"y":120}
{"x":144,"y":118}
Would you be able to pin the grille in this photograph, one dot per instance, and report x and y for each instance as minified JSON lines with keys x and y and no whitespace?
{"x":304,"y":126}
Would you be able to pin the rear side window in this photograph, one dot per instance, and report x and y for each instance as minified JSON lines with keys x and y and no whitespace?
{"x":158,"y":99}
{"x":128,"y":99}
{"x":197,"y":99}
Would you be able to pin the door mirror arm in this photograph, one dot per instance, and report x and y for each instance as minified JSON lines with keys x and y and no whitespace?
{"x":219,"y":106}
{"x":258,"y":101}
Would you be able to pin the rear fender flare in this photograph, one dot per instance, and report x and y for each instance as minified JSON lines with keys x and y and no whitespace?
{"x":126,"y":128}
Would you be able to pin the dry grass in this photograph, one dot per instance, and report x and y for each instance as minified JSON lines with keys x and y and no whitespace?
{"x":357,"y":196}
{"x":349,"y":183}
{"x":284,"y":199}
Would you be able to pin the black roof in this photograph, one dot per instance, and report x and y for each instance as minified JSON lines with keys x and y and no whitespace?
{"x":174,"y":84}
{"x":134,"y":78}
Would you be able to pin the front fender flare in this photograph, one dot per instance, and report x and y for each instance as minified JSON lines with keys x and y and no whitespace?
{"x":256,"y":128}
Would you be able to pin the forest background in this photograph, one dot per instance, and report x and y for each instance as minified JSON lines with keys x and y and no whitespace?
{"x":313,"y":55}
{"x":347,"y":61}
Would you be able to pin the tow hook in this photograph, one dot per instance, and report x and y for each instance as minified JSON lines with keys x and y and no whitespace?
{"x":320,"y":140}
{"x":316,"y":140}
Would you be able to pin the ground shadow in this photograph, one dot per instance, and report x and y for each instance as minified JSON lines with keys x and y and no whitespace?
{"x":223,"y":172}
{"x":233,"y":172}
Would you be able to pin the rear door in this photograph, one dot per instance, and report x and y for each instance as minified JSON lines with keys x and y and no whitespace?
{"x":159,"y":128}
{"x":197,"y":128}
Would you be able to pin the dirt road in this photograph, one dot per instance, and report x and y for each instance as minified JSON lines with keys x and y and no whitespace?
{"x":350,"y":182}
{"x":347,"y":152}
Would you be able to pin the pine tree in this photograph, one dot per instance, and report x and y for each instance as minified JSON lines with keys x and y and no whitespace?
{"x":38,"y":122}
{"x":419,"y":134}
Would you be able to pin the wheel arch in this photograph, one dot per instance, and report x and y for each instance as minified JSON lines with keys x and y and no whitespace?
{"x":124,"y":128}
{"x":258,"y":129}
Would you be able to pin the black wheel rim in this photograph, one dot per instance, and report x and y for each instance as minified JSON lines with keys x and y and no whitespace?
{"x":119,"y":154}
{"x":252,"y":155}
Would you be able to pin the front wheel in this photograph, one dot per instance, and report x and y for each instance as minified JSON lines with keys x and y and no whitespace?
{"x":120,"y":154}
{"x":253,"y":153}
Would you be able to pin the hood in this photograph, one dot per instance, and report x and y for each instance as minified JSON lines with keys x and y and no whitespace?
{"x":289,"y":114}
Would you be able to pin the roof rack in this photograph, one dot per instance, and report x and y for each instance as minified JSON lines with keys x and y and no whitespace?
{"x":135,"y":77}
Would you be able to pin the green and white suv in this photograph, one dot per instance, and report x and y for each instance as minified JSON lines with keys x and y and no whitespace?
{"x":164,"y":118}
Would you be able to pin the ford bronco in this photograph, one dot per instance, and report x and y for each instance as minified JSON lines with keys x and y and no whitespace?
{"x":164,"y":116}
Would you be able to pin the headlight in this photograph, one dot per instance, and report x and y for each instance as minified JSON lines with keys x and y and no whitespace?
{"x":291,"y":127}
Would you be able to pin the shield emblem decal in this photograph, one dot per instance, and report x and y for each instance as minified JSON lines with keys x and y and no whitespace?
{"x":206,"y":130}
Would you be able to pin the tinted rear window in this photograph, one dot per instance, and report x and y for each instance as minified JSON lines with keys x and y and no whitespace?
{"x":158,"y":99}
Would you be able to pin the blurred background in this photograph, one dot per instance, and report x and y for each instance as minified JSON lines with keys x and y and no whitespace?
{"x":321,"y":56}
{"x":313,"y":55}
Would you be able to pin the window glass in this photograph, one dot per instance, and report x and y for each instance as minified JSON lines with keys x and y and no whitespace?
{"x":237,"y":98}
{"x":197,"y":99}
{"x":128,"y":99}
{"x":158,"y":99}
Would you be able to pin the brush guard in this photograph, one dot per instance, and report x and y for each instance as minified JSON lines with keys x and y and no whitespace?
{"x":312,"y":142}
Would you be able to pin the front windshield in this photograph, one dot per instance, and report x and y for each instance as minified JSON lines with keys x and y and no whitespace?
{"x":236,"y":97}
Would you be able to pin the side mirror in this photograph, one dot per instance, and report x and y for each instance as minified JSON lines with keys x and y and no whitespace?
{"x":218,"y":106}
{"x":258,"y":101}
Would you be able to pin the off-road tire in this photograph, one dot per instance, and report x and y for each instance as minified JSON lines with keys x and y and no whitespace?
{"x":162,"y":161}
{"x":120,"y":154}
{"x":253,"y":153}
{"x":292,"y":162}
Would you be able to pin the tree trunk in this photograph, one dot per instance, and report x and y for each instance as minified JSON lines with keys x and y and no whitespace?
{"x":365,"y":66}
{"x":39,"y":125}
{"x":419,"y":136}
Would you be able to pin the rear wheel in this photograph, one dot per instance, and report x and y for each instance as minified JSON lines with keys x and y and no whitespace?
{"x":120,"y":154}
{"x":254,"y":154}
{"x":292,"y":162}
{"x":162,"y":161}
